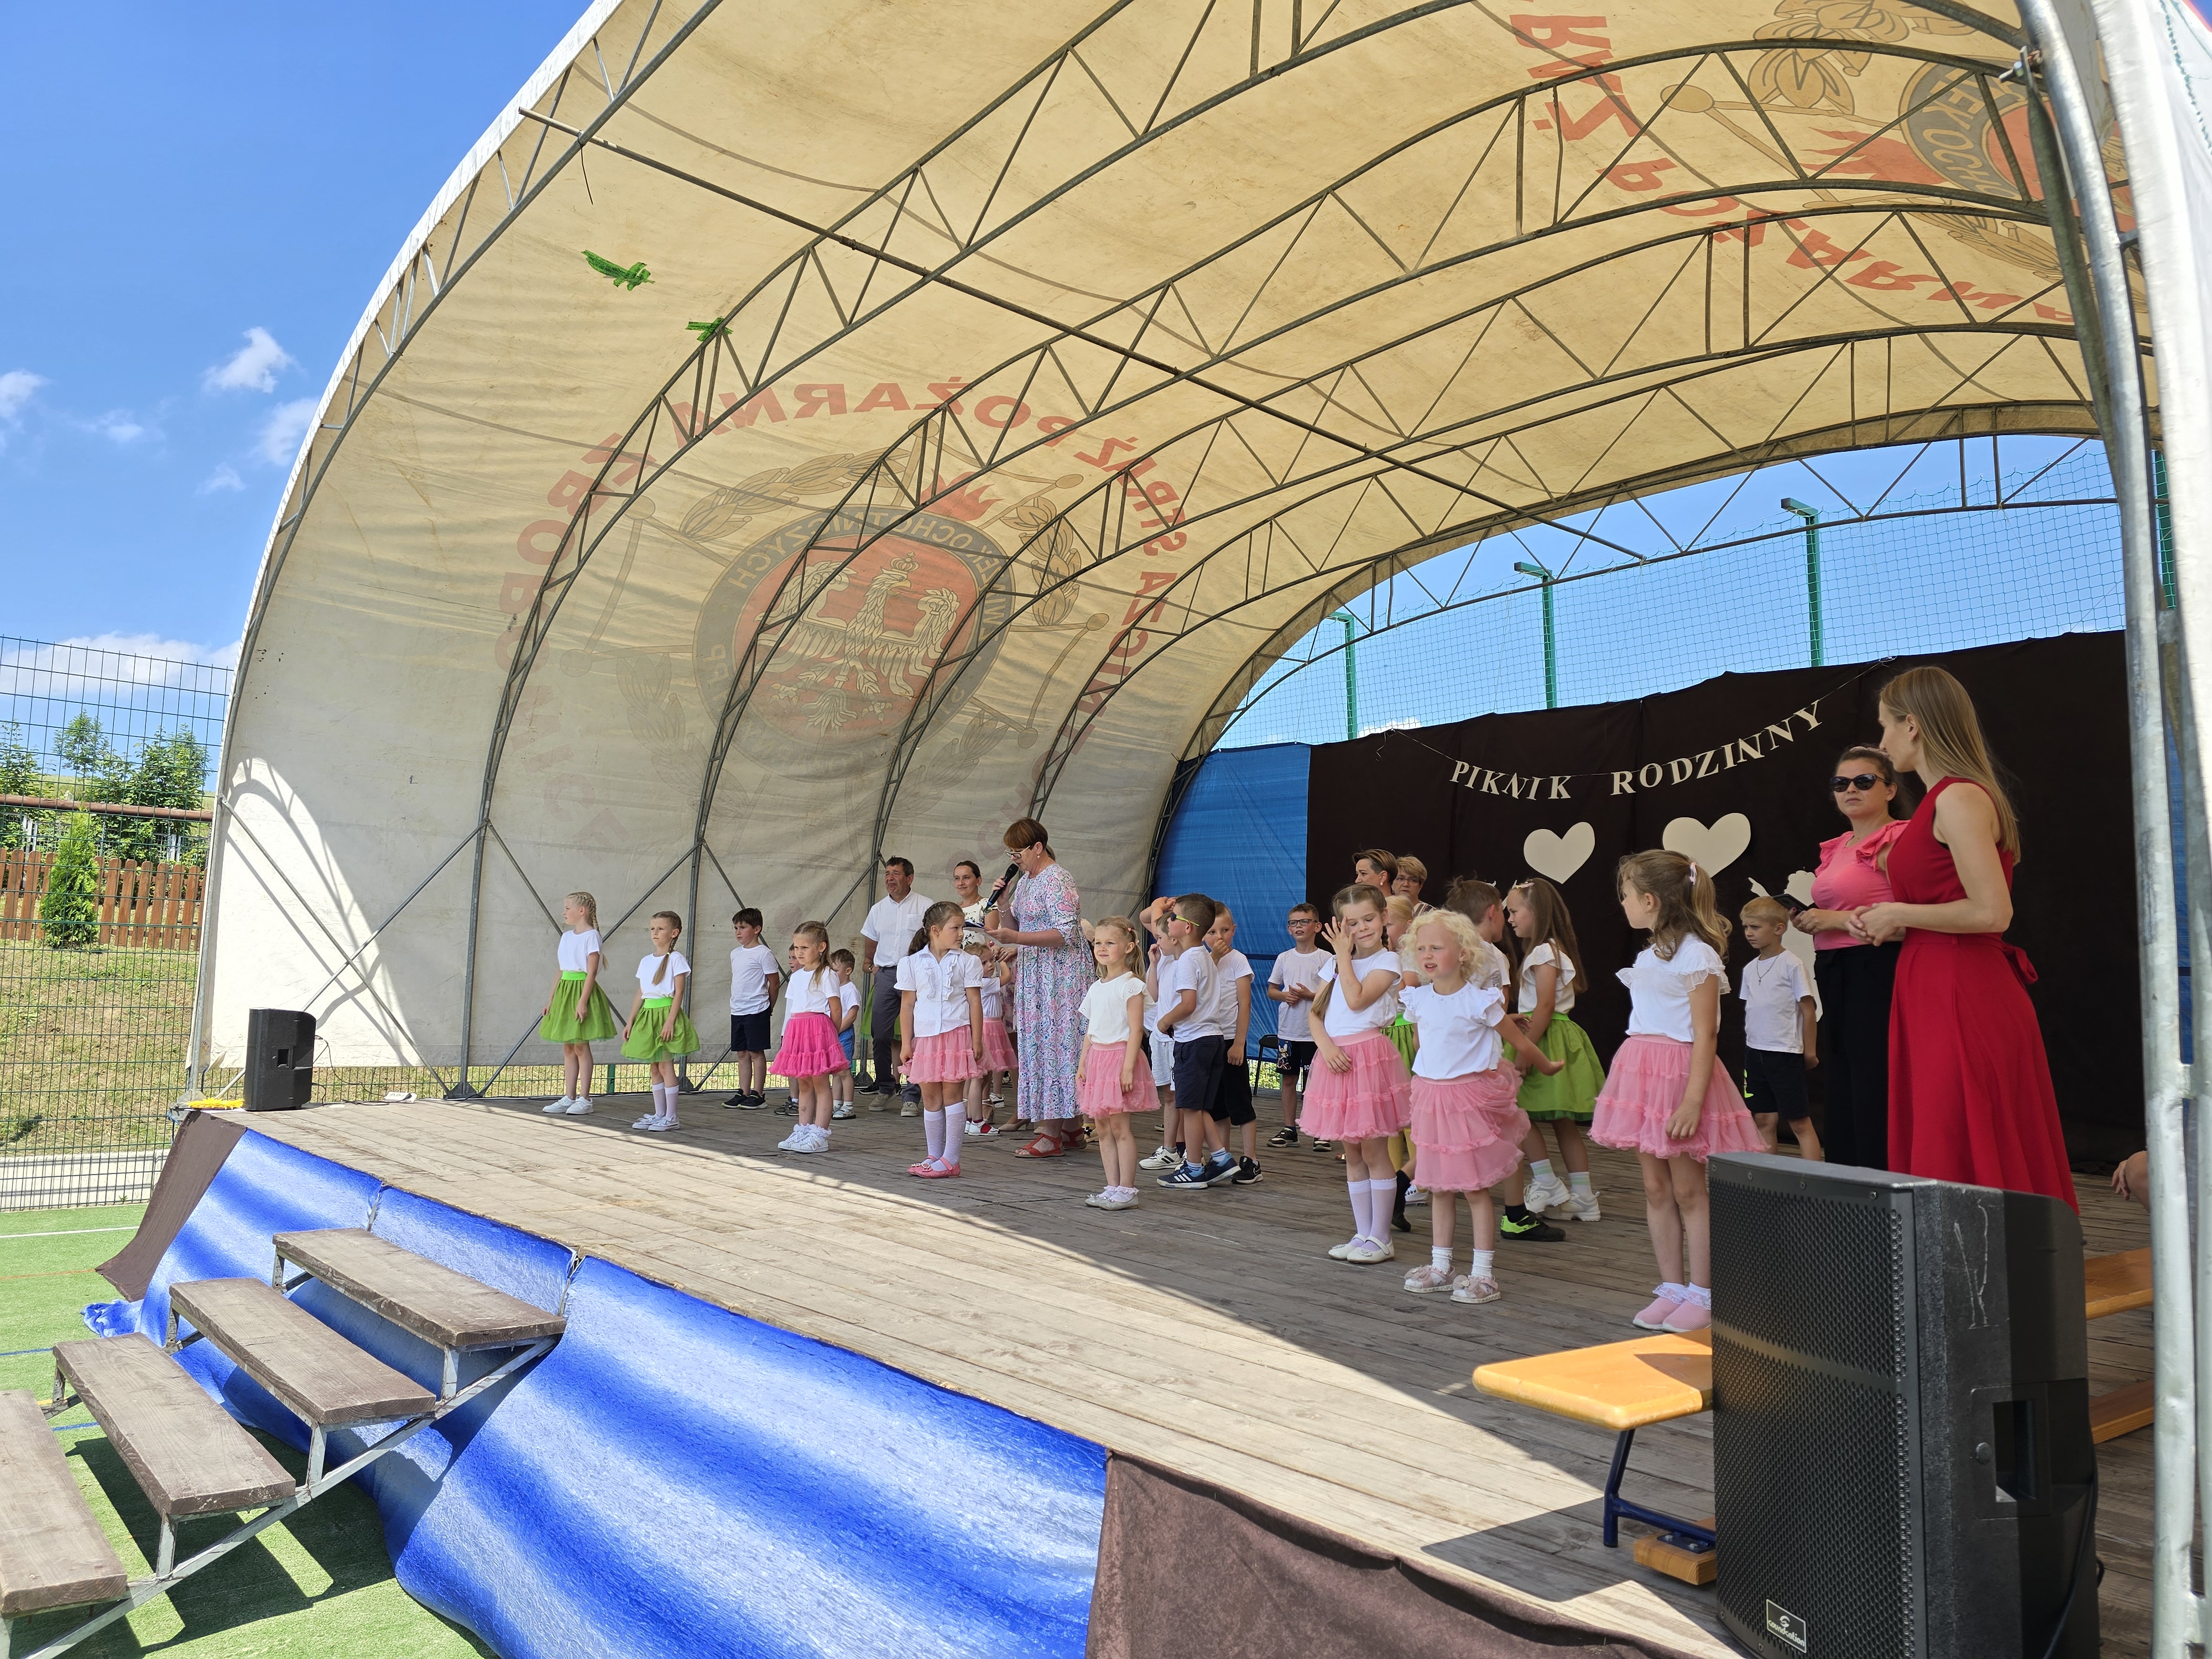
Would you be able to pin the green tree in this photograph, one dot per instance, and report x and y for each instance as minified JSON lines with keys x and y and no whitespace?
{"x":19,"y":776}
{"x":83,"y":748}
{"x":70,"y":912}
{"x":171,"y":770}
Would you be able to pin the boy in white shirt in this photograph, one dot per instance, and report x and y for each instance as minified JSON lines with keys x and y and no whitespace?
{"x":1233,"y":1007}
{"x":1780,"y":1024}
{"x":1189,"y":1014}
{"x":755,"y":976}
{"x":1160,"y":1046}
{"x":1292,"y":985}
{"x":847,"y":1013}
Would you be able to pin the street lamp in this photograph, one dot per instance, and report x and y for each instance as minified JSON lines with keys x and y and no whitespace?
{"x":1351,"y":675}
{"x":1551,"y":649}
{"x":1812,"y":517}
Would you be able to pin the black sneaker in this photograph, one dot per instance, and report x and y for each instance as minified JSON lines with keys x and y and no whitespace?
{"x":1529,"y":1226}
{"x":737,"y":1099}
{"x":1248,"y":1171}
{"x":1186,"y":1180}
{"x":1319,"y":1146}
{"x":789,"y":1108}
{"x":1284,"y":1137}
{"x":1220,"y":1169}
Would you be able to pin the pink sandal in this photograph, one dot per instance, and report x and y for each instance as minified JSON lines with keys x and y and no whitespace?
{"x":935,"y":1171}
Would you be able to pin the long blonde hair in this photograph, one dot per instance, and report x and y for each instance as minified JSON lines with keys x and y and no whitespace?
{"x":1688,"y":905}
{"x":590,"y":905}
{"x":1131,"y":958}
{"x":1951,"y":737}
{"x":660,"y":967}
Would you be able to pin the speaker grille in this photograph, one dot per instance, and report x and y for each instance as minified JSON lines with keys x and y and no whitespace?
{"x":1812,"y":1464}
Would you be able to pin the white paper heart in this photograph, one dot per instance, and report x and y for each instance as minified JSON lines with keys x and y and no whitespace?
{"x":1559,"y":856}
{"x":1800,"y":945}
{"x":1712,"y":850}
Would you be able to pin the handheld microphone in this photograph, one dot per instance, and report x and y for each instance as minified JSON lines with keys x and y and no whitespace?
{"x":1012,"y":870}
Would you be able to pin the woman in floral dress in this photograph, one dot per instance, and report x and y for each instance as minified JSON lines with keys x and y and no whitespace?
{"x":1051,"y":976}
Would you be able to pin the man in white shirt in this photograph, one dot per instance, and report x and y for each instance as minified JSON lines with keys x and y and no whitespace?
{"x":892,"y":922}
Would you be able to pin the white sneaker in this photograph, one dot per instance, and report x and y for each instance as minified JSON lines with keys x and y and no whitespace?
{"x":843,"y":1109}
{"x":1165,"y":1159}
{"x":647,"y":1122}
{"x":1582,"y":1207}
{"x":791,"y":1142}
{"x":660,"y":1125}
{"x":559,"y":1107}
{"x":1415,"y":1198}
{"x":1549,"y":1194}
{"x":581,"y":1106}
{"x":1123,"y":1198}
{"x":817,"y":1141}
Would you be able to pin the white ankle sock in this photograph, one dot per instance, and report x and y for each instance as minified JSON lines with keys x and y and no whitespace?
{"x":932,"y":1126}
{"x":1361,"y":1217}
{"x":1440,"y":1257}
{"x":1674,"y":1292}
{"x":1578,"y":1182}
{"x":1539,"y":1168}
{"x":1479,"y":1264}
{"x":955,"y":1127}
{"x":1698,"y":1296}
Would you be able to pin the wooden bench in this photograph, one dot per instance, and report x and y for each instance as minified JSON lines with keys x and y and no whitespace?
{"x":52,"y":1552}
{"x":324,"y":1379}
{"x":1624,"y":1387}
{"x":2117,"y":1284}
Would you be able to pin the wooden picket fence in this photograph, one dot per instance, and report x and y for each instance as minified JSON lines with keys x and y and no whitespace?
{"x":143,"y":903}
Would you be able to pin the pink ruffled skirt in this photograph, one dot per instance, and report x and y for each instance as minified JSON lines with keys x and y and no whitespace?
{"x":948,"y":1057}
{"x":1372,"y":1102}
{"x":1642,"y":1091}
{"x":1098,"y":1091}
{"x":1467,"y":1130}
{"x":810,"y":1047}
{"x":997,"y":1047}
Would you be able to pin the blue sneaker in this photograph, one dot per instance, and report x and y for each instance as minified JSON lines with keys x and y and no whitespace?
{"x":1189,"y":1179}
{"x":1220,"y":1169}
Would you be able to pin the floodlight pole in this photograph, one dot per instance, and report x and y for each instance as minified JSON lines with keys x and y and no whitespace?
{"x":1551,"y":644}
{"x":1351,"y":674}
{"x":1812,"y":517}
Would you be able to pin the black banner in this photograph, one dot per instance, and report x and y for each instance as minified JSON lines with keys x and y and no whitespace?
{"x":1734,"y":772}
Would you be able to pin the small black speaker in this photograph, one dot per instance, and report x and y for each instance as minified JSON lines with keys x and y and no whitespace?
{"x":1902,"y":1466}
{"x":280,"y":1058}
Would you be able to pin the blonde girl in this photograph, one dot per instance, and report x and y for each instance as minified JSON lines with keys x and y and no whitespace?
{"x":1665,"y":1100}
{"x":577,"y":1013}
{"x":1360,"y":1093}
{"x":658,"y":1030}
{"x":1112,"y":1079}
{"x":997,"y":1047}
{"x":1466,"y":1123}
{"x":811,"y":1055}
{"x":1550,"y":977}
{"x":1397,"y":924}
{"x":941,"y":1034}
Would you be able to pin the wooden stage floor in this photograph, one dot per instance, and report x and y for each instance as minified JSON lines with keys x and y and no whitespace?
{"x":1206,"y":1330}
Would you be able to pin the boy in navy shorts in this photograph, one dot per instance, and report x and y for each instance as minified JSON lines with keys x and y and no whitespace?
{"x":755,"y":975}
{"x":1189,"y":1014}
{"x":1779,"y":1046}
{"x":1293,"y":985}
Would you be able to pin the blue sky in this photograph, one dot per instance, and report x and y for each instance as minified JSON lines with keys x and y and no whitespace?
{"x":199,"y":200}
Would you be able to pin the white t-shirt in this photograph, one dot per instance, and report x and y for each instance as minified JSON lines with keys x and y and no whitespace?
{"x":1296,"y":970}
{"x":1543,"y":956}
{"x":973,"y":914}
{"x":577,"y":951}
{"x":809,"y":991}
{"x":995,"y":997}
{"x":1231,"y":966}
{"x":1195,"y":971}
{"x":1342,"y":1019}
{"x":1771,"y":990}
{"x":848,"y":999}
{"x":751,"y":966}
{"x":667,"y":966}
{"x":1659,"y":992}
{"x":1459,"y":1032}
{"x":892,"y":923}
{"x":1106,"y":1007}
{"x":940,"y":985}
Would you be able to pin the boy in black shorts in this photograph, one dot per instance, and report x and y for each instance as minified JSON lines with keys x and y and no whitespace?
{"x":1779,"y":1027}
{"x":1293,"y":984}
{"x":1189,"y":1013}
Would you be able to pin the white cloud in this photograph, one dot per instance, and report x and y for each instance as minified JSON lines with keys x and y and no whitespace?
{"x":223,"y":477}
{"x":253,"y":367}
{"x":16,"y":386}
{"x":279,"y":440}
{"x":118,"y":426}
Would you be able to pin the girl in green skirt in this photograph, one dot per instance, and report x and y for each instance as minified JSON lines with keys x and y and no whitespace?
{"x":1551,"y":973}
{"x":659,"y":1031}
{"x":577,"y":1013}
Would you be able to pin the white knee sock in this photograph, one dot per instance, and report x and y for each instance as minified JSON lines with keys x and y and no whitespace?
{"x":1382,"y":1202}
{"x":955,"y":1126}
{"x":1361,"y":1219}
{"x":932,"y":1126}
{"x":657,"y":1107}
{"x":668,"y":1102}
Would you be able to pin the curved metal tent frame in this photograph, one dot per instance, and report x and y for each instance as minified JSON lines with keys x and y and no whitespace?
{"x":799,"y":433}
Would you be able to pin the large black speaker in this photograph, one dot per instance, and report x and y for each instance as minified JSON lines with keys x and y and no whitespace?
{"x":1902,"y":1466}
{"x":280,"y":1058}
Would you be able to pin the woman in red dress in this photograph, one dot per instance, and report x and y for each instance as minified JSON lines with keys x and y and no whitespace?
{"x":1970,"y":1095}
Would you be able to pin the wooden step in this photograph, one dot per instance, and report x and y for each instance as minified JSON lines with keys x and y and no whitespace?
{"x":445,"y":1309}
{"x":2121,"y":1412}
{"x":52,"y":1552}
{"x":323,"y":1378}
{"x":183,"y":1449}
{"x":2116,"y":1283}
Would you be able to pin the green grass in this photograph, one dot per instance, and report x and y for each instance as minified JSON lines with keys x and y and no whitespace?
{"x":92,"y":1045}
{"x":317,"y":1585}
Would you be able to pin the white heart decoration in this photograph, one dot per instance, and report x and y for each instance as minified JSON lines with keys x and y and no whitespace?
{"x":1559,"y":856}
{"x":1711,"y":850}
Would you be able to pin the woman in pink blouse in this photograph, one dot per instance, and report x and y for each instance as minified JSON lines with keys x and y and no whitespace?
{"x":1854,"y":976}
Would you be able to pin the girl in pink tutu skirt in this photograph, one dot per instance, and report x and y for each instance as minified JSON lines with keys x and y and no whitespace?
{"x":1360,"y":1094}
{"x":1664,"y":1099}
{"x":941,"y":1034}
{"x":1468,"y":1122}
{"x":1112,"y":1078}
{"x":810,"y":1054}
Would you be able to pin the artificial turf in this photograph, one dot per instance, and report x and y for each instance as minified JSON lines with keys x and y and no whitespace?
{"x":317,"y":1585}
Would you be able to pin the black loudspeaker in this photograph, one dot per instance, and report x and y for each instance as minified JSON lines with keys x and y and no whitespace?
{"x":1902,"y":1466}
{"x":280,"y":1058}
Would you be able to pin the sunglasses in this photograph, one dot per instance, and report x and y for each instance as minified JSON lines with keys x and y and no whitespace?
{"x":1863,"y":782}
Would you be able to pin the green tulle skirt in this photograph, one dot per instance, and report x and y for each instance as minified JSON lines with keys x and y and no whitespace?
{"x":560,"y":1024}
{"x":644,"y":1041}
{"x":1569,"y":1096}
{"x":1403,"y":1036}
